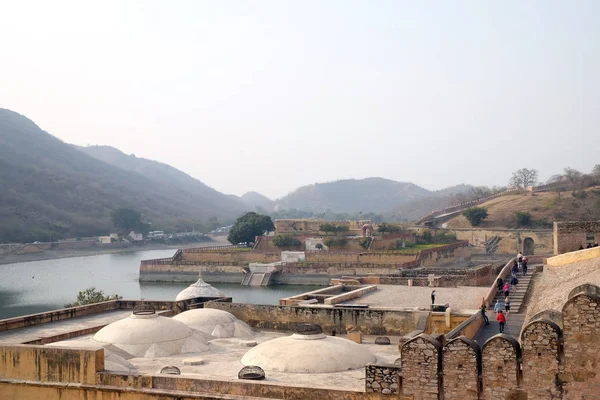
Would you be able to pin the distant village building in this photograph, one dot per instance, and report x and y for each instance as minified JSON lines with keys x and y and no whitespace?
{"x":136,"y":237}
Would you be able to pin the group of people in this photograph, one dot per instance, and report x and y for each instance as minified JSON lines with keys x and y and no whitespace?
{"x":503,"y":309}
{"x":589,"y":245}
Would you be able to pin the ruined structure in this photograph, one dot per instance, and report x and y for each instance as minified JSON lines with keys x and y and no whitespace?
{"x":569,"y":236}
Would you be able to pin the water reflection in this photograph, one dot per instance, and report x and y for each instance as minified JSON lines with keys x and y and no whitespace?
{"x":32,"y":287}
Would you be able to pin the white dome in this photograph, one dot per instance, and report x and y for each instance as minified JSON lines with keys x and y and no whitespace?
{"x":151,"y":336}
{"x":199,"y":289}
{"x":311,"y":354}
{"x":215,"y":323}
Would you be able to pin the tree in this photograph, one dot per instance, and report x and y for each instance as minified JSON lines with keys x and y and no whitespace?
{"x":480,"y":192}
{"x":522,"y":218}
{"x":572,"y":175}
{"x":523,"y":178}
{"x":596,"y":171}
{"x":329,"y":227}
{"x":286,"y":241}
{"x":384,"y":227}
{"x":247,"y":227}
{"x":127,"y":219}
{"x":90,"y":296}
{"x":476,"y":215}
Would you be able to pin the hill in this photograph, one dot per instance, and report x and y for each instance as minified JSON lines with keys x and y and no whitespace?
{"x":396,"y":200}
{"x":257,"y":202}
{"x":52,"y":190}
{"x":544,"y":207}
{"x":352,"y":195}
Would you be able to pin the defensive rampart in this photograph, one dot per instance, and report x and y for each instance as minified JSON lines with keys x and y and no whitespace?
{"x":549,"y":362}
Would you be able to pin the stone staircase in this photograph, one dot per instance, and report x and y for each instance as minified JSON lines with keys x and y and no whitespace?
{"x":516,"y":318}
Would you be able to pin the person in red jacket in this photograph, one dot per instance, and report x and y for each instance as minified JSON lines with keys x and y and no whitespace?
{"x":501,"y":321}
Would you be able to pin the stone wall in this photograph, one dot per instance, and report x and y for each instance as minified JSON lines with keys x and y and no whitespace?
{"x":230,"y":256}
{"x":511,"y":240}
{"x":50,"y":364}
{"x":574,"y":256}
{"x":421,"y":367}
{"x":382,"y":378}
{"x":368,"y":321}
{"x":568,"y":236}
{"x":550,"y":363}
{"x":461,"y":360}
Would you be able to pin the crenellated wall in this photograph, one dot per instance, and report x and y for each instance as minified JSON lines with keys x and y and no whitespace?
{"x":549,"y":363}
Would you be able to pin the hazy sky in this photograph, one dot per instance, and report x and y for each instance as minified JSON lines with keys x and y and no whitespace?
{"x":272,"y":95}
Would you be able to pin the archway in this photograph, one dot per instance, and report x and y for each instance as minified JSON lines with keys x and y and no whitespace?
{"x":528,"y":246}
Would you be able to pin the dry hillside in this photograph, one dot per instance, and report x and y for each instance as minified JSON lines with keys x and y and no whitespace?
{"x":544,"y":207}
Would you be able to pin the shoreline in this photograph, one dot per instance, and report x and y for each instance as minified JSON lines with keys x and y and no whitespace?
{"x":57,"y":254}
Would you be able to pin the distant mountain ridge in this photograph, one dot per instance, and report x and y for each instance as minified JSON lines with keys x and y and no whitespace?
{"x":52,"y":190}
{"x":377,"y":195}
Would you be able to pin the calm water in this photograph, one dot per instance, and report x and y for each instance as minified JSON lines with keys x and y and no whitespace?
{"x":32,"y":287}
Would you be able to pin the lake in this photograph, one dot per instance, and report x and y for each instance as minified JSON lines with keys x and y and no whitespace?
{"x":38,"y":286}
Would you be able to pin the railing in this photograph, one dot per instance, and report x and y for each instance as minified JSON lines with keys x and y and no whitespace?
{"x":210,"y":248}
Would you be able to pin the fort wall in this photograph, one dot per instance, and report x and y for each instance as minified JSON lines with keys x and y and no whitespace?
{"x":569,"y":236}
{"x":511,"y":241}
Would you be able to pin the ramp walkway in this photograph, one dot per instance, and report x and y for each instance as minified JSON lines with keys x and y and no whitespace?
{"x":516,"y":318}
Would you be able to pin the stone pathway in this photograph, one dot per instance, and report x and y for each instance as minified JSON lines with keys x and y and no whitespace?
{"x":516,"y":318}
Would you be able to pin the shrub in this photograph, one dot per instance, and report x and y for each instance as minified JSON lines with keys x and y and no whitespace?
{"x":329,"y":227}
{"x":286,"y":241}
{"x":579,"y":194}
{"x":523,"y":218}
{"x":384,"y":227}
{"x":476,"y":215}
{"x":90,"y":296}
{"x":365,"y":242}
{"x":335,"y":241}
{"x":426,"y":236}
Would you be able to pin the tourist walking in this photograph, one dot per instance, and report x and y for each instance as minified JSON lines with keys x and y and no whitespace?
{"x":500,"y":284}
{"x":507,"y":304}
{"x":515,"y":268}
{"x":506,"y":289}
{"x":498,"y":306}
{"x":514,"y":280}
{"x":485,"y":317}
{"x":501,"y":321}
{"x":432,"y":297}
{"x":519,"y":258}
{"x":524,"y":266}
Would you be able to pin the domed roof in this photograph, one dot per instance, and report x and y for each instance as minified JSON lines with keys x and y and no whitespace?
{"x":312,"y":354}
{"x":150,"y":335}
{"x":216,"y":323}
{"x":199,"y":289}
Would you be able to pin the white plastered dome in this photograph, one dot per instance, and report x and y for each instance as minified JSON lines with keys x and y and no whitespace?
{"x":199,"y":289}
{"x":310,"y":354}
{"x":150,"y":335}
{"x":215,"y":323}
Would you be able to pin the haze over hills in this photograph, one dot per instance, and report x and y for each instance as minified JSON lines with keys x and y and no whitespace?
{"x":52,"y":190}
{"x":398,"y":199}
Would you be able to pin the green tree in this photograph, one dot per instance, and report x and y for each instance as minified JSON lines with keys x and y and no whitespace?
{"x":523,"y":178}
{"x":384,"y":227}
{"x":90,"y":296}
{"x":596,"y":171}
{"x":365,"y":242}
{"x":127,"y":219}
{"x":247,"y":227}
{"x":286,"y":241}
{"x":523,"y":218}
{"x":333,"y":228}
{"x":475,"y":215}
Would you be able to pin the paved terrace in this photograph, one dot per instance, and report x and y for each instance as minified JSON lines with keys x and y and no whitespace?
{"x":395,"y":296}
{"x":62,"y":327}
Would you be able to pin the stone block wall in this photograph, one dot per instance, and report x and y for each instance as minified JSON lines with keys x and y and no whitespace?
{"x":382,"y":379}
{"x":500,"y":367}
{"x":568,"y":236}
{"x":581,"y":328}
{"x":421,"y":367}
{"x":541,"y":344}
{"x":461,"y":369}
